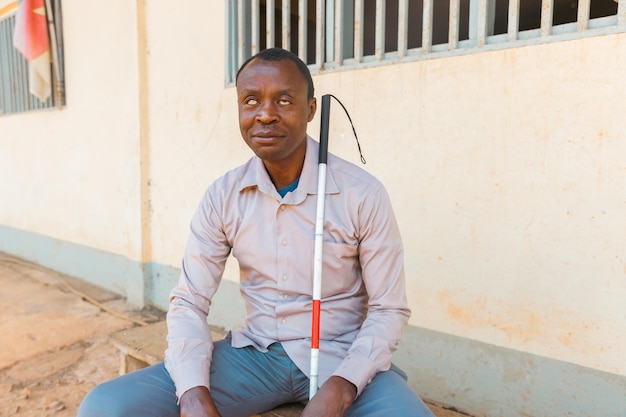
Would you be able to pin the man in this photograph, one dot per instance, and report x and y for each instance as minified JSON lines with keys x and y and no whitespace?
{"x":264,"y":213}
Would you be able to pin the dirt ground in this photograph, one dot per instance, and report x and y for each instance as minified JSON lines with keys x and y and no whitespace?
{"x":54,"y":340}
{"x":54,"y":337}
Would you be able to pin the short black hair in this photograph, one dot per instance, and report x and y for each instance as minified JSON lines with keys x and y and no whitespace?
{"x":279,"y":54}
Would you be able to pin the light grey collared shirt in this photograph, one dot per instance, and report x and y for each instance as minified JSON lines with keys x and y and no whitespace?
{"x":364,"y":308}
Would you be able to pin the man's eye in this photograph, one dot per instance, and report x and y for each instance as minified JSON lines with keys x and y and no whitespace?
{"x":284,"y":102}
{"x":251,"y":101}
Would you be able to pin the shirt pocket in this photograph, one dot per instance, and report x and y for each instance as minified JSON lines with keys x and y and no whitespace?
{"x":340,"y":269}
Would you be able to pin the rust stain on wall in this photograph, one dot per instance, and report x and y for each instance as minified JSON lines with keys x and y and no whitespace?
{"x":517,"y":322}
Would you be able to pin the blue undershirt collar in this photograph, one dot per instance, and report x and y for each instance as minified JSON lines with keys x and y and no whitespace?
{"x":283,"y":191}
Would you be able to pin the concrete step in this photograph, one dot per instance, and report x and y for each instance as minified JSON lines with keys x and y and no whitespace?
{"x":145,"y":345}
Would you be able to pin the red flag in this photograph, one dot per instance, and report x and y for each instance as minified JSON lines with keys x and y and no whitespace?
{"x":31,"y":39}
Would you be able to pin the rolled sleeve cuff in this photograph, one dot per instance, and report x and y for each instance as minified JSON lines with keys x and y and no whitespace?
{"x":359,"y":370}
{"x":188,"y":375}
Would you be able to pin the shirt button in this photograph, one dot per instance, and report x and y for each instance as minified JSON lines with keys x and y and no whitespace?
{"x":282,"y":206}
{"x":284,"y":277}
{"x":283,"y":321}
{"x":284,"y":242}
{"x":285,"y":296}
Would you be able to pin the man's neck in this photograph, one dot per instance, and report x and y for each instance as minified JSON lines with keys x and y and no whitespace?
{"x":282,"y":176}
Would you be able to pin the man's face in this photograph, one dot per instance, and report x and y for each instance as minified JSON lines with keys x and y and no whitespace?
{"x":274,"y":110}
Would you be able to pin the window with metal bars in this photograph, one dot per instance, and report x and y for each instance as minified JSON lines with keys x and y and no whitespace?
{"x":335,"y":34}
{"x":15,"y":95}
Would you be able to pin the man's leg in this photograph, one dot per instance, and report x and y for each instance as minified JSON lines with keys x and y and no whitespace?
{"x":243,"y":382}
{"x":147,"y":392}
{"x":389,"y":395}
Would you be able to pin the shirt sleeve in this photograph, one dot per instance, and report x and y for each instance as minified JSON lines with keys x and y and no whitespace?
{"x":190,"y":346}
{"x":382,"y":266}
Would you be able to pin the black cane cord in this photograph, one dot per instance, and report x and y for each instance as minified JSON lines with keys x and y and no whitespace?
{"x":353,"y":129}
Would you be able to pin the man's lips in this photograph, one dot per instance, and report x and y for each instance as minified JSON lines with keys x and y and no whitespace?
{"x":267,"y":135}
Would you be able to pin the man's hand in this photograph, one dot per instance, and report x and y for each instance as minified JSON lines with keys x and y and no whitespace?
{"x":332,"y":400}
{"x":197,"y":402}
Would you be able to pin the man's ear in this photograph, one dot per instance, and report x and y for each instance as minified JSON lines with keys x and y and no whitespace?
{"x":312,"y":108}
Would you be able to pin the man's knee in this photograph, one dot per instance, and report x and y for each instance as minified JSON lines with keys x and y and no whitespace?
{"x":390,"y":395}
{"x":101,"y":401}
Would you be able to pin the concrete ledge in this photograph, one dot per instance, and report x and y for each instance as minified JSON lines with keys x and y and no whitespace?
{"x":145,"y":345}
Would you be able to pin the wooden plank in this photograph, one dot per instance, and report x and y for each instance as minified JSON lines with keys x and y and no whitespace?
{"x":146,"y":345}
{"x":287,"y":410}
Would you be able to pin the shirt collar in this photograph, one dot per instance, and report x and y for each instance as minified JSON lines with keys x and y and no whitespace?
{"x":256,"y":175}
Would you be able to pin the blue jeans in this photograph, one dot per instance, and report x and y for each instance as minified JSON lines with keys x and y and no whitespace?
{"x":244,"y":382}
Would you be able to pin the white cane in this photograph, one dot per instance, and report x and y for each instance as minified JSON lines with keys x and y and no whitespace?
{"x":319,"y":240}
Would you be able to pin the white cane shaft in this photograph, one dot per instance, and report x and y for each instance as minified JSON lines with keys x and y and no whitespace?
{"x":319,"y":233}
{"x":314,"y":376}
{"x":317,"y":278}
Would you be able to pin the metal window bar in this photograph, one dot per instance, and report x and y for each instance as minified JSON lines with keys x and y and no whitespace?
{"x":547,"y":13}
{"x":255,"y":27}
{"x":241,"y":35}
{"x":319,"y":33}
{"x":480,"y":23}
{"x":358,"y":31}
{"x":286,"y":9}
{"x":302,"y":30}
{"x":329,"y":17}
{"x":453,"y":25}
{"x":513,"y":20}
{"x":379,"y":48}
{"x":18,"y":85}
{"x":347,"y":29}
{"x":340,"y":30}
{"x":20,"y":75}
{"x":15,"y":96}
{"x":270,"y":21}
{"x":427,"y":26}
{"x":231,"y":65}
{"x":582,"y":21}
{"x":403,"y":26}
{"x":338,"y":33}
{"x":4,"y":69}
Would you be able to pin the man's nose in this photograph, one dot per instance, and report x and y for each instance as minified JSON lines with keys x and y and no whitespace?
{"x":267,"y":113}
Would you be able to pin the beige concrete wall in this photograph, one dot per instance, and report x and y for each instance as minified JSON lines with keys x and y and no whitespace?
{"x":507,"y":173}
{"x":506,"y":168}
{"x":191,"y":127}
{"x":74,"y":174}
